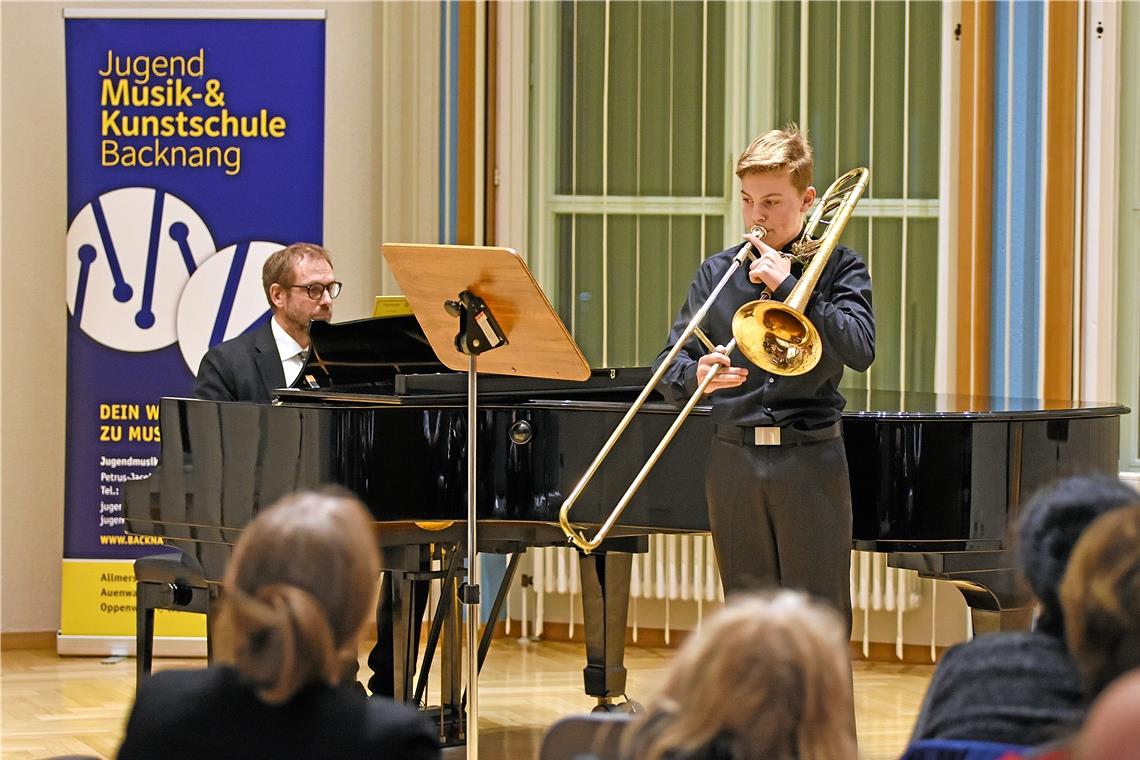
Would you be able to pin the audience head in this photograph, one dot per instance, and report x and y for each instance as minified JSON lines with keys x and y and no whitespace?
{"x":1112,"y":728}
{"x":1100,"y":597}
{"x":298,"y":589}
{"x":767,"y":676}
{"x":1052,"y":522}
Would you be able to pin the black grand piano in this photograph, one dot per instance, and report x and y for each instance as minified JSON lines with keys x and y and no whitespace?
{"x":937,"y":481}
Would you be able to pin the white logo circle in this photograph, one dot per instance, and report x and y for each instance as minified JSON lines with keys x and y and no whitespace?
{"x":130,"y":252}
{"x":223,"y":299}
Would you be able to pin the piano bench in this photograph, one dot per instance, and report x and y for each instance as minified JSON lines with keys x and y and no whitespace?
{"x":170,"y":581}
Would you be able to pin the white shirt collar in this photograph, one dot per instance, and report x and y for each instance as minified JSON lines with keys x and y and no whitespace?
{"x":287,"y":348}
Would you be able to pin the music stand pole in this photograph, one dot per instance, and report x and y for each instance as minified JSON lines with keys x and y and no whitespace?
{"x":540,"y":346}
{"x":478,"y":332}
{"x":472,"y":564}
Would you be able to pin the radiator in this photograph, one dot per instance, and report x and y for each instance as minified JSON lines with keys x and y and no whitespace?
{"x":682,"y":569}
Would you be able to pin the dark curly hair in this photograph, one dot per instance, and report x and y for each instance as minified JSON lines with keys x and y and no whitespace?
{"x":1050,"y":525}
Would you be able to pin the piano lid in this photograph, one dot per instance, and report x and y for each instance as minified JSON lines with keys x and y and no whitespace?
{"x":365,"y":354}
{"x":918,"y":405}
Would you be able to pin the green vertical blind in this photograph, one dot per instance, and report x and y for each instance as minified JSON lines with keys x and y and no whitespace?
{"x":1128,"y":274}
{"x":651,"y":259}
{"x":642,"y":178}
{"x":871,"y":97}
{"x":641,"y":184}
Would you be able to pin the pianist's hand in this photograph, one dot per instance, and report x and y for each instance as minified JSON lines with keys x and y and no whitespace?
{"x":727,"y":377}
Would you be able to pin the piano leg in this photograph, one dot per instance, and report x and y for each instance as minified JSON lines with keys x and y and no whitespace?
{"x":987,"y":579}
{"x":451,"y":663}
{"x":994,"y":621}
{"x":991,"y":610}
{"x":605,"y":610}
{"x":403,"y":600}
{"x":399,"y":610}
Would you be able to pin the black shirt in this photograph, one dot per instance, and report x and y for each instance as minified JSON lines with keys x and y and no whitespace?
{"x":840,"y":308}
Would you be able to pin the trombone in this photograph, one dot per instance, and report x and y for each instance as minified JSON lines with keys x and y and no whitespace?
{"x":777,"y":337}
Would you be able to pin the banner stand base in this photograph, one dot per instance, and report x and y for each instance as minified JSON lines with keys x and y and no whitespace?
{"x":124,"y":646}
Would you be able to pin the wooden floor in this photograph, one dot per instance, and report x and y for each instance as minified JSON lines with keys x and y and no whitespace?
{"x":55,"y":705}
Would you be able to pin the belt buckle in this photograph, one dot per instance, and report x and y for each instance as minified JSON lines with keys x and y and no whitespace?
{"x":766,"y":436}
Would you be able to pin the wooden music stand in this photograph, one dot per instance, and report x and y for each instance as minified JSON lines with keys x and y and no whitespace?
{"x":538,"y":344}
{"x":499,"y":310}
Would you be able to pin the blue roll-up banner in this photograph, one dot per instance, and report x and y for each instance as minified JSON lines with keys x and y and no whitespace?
{"x":195,"y":148}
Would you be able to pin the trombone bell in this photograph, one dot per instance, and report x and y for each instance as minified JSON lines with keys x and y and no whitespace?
{"x":776,"y":338}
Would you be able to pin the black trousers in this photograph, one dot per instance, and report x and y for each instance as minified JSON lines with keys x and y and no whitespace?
{"x":781,"y":516}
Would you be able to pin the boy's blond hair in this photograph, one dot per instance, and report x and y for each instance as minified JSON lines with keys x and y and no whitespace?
{"x":778,"y":149}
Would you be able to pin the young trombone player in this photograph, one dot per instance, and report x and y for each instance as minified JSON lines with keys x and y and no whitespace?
{"x":776,"y":479}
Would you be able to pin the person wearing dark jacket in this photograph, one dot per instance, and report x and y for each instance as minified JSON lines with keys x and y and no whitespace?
{"x":1023,"y":688}
{"x":778,"y":494}
{"x":297,"y":592}
{"x":300,"y":286}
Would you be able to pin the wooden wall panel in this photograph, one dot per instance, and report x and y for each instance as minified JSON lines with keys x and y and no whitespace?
{"x":975,"y":127}
{"x":1061,"y":222}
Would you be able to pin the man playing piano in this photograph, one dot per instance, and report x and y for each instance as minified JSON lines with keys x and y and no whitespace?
{"x":776,"y":481}
{"x":300,"y":286}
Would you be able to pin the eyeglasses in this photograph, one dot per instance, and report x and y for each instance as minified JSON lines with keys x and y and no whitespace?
{"x":317,"y":289}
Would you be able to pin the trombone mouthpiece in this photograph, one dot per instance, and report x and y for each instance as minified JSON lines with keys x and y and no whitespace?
{"x":747,"y":250}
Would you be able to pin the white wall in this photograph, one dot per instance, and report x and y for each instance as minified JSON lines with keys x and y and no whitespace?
{"x":32,"y":379}
{"x":33,"y":221}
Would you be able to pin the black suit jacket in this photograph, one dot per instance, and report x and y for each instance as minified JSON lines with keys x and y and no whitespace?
{"x":245,"y":368}
{"x":212,"y":713}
